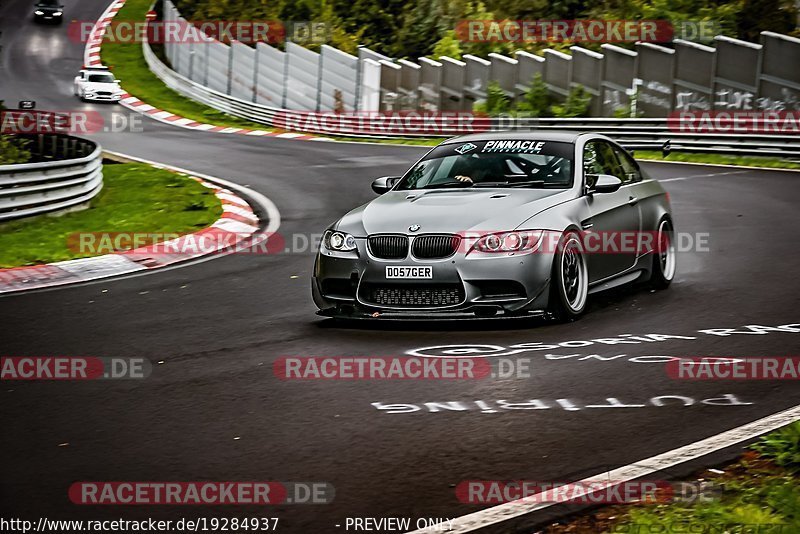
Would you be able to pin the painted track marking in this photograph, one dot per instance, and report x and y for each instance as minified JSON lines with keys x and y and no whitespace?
{"x":510,"y":510}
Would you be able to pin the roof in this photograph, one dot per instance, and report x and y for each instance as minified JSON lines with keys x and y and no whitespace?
{"x":532,"y":135}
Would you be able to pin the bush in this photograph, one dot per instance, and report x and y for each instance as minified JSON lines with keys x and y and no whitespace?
{"x":449,"y":46}
{"x":782,"y":447}
{"x":536,"y":101}
{"x":497,"y":101}
{"x":13,"y":151}
{"x":576,"y":104}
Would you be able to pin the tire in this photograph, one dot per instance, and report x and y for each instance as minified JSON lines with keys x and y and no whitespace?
{"x":663,"y":269}
{"x":569,"y":283}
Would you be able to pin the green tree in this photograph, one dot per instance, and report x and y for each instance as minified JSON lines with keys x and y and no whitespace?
{"x":536,"y":101}
{"x":722,"y":12}
{"x":764,"y":15}
{"x":497,"y":101}
{"x":448,"y":46}
{"x":12,"y":149}
{"x":576,"y":104}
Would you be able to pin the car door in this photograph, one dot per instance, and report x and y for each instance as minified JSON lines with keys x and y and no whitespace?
{"x":639,"y":192}
{"x":614,"y":218}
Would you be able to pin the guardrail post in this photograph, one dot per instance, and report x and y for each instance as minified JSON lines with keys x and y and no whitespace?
{"x":320,"y":60}
{"x":230,"y":68}
{"x":285,"y":83}
{"x":255,"y":73}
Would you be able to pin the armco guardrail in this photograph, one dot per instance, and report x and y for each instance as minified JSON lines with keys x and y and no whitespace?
{"x":641,"y":132}
{"x":67,"y":171}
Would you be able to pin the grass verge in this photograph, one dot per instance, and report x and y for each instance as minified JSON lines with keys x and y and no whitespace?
{"x":720,"y":159}
{"x":760,"y":492}
{"x":128,"y":63}
{"x":135,"y":198}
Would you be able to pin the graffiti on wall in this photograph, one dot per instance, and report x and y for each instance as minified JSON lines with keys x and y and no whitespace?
{"x":687,"y":100}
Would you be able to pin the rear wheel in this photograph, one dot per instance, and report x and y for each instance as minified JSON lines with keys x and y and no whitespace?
{"x":569,"y":283}
{"x":663,"y":270}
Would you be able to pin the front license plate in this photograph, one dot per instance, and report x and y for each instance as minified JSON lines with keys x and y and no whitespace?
{"x":412,"y":273}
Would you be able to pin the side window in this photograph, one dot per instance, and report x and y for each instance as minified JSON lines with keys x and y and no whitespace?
{"x":599,"y":158}
{"x":629,"y":167}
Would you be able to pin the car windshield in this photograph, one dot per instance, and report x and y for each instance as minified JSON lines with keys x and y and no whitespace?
{"x":101,"y":78}
{"x":497,"y":163}
{"x":48,"y":3}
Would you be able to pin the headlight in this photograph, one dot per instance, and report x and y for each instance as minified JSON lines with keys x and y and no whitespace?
{"x":339,"y":241}
{"x":522,"y":241}
{"x":37,"y":12}
{"x":57,"y":14}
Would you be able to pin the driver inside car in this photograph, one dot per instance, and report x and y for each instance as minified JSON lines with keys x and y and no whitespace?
{"x":481,"y":170}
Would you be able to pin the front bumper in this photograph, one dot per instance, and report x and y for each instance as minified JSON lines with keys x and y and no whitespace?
{"x":354,"y":285}
{"x":102,"y":98}
{"x":48,"y":17}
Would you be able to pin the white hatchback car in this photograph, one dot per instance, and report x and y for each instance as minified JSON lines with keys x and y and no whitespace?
{"x":97,"y":84}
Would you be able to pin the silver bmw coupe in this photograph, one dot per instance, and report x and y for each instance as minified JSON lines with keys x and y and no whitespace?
{"x":498,"y":225}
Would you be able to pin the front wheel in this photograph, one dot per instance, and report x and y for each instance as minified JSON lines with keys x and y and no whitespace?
{"x":569,"y":284}
{"x":663,"y":270}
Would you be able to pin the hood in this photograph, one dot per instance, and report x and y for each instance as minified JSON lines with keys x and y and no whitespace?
{"x":450,"y":210}
{"x":102,"y":86}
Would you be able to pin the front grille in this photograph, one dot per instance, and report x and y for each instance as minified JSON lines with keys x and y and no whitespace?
{"x":388,"y":247}
{"x":422,"y":296}
{"x":429,"y":247}
{"x":103,"y":93}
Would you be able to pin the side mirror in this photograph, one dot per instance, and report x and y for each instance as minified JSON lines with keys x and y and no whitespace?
{"x":605,"y":183}
{"x":384,"y":183}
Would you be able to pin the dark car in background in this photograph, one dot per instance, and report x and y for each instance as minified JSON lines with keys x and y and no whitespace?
{"x":48,"y":11}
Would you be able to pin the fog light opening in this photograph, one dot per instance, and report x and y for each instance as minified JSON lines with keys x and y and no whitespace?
{"x":486,"y":311}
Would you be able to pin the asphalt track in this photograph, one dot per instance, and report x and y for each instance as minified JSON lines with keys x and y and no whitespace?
{"x":216,"y":327}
